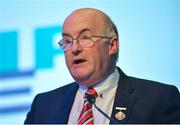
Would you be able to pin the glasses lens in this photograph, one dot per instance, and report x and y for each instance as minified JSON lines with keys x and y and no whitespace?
{"x":85,"y":38}
{"x":66,"y":42}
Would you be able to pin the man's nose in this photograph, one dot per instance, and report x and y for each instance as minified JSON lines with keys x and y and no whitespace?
{"x":76,"y":48}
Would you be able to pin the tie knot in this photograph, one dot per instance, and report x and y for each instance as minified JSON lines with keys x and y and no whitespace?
{"x":90,"y":95}
{"x":92,"y":92}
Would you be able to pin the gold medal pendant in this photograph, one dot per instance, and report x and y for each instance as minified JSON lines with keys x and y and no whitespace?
{"x":120,"y":115}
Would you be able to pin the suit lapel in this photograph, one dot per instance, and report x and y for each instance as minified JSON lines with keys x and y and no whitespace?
{"x":123,"y":99}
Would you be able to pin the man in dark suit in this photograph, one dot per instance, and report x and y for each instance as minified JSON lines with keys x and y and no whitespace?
{"x":91,"y":45}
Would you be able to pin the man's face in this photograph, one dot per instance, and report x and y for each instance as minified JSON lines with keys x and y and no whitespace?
{"x":87,"y":65}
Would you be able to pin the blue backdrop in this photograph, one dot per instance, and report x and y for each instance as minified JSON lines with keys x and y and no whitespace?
{"x":31,"y":62}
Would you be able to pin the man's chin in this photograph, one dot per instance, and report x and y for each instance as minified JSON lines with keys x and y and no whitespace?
{"x":80,"y":74}
{"x":80,"y":77}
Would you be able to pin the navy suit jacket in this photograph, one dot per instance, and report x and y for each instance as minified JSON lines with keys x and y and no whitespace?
{"x":145,"y":102}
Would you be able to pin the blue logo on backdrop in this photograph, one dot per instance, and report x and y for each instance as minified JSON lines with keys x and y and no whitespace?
{"x":44,"y":53}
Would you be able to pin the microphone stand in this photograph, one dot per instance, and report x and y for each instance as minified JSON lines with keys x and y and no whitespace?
{"x":111,"y":119}
{"x":91,"y":99}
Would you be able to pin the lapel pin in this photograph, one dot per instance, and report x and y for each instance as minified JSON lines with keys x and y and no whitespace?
{"x":120,"y":115}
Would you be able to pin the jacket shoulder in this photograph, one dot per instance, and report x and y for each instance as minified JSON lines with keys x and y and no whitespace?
{"x":150,"y":86}
{"x":66,"y":89}
{"x":160,"y":102}
{"x":47,"y":105}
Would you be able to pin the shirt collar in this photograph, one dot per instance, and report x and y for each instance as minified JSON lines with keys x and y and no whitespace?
{"x":105,"y":85}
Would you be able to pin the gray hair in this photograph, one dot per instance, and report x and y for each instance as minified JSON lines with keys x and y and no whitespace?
{"x":111,"y":29}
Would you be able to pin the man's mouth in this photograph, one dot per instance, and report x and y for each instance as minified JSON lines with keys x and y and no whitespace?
{"x":79,"y":61}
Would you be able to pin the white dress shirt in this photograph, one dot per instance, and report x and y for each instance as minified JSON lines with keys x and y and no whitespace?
{"x":106,"y":93}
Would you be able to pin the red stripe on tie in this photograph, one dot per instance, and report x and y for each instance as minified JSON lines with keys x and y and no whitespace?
{"x":86,"y":115}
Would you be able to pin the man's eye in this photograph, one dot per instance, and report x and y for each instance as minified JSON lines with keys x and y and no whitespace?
{"x":67,"y":41}
{"x":86,"y":37}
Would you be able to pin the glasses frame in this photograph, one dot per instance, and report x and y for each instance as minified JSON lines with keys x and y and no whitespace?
{"x":91,"y":38}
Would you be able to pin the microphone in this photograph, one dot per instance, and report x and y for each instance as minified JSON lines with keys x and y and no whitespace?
{"x":91,"y":99}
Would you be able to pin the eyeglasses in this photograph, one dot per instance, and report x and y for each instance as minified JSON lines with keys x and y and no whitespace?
{"x":84,"y":39}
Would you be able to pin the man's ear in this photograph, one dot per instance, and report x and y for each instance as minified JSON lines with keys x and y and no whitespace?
{"x":113,"y":45}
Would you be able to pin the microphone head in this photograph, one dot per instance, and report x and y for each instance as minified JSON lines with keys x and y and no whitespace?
{"x":90,"y":98}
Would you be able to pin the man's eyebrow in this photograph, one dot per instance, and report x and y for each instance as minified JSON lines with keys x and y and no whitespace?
{"x":65,"y":34}
{"x":83,"y":30}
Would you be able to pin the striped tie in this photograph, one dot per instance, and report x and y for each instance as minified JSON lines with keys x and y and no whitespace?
{"x":86,"y":115}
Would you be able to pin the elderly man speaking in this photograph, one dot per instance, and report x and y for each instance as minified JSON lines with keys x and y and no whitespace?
{"x":101,"y":93}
